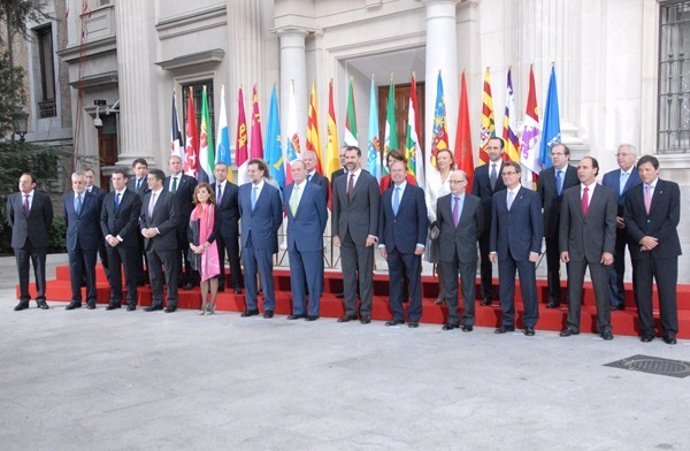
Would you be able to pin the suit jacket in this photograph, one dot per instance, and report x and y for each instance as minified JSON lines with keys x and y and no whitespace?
{"x":83,"y":231}
{"x":228,"y":211}
{"x":99,"y":192}
{"x":550,"y":200}
{"x":612,"y":179}
{"x":588,"y":237}
{"x":481,"y":187}
{"x":360,"y":215}
{"x":132,"y":186}
{"x":337,"y":173}
{"x":322,"y":182}
{"x":460,"y":240}
{"x":166,"y":217}
{"x":34,"y":227}
{"x":409,"y":227}
{"x":125,"y":221}
{"x":661,"y":222}
{"x":305,"y":229}
{"x":519,"y":231}
{"x":183,"y":195}
{"x":261,"y":224}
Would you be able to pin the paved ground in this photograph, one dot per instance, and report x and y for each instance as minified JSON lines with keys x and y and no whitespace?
{"x":135,"y":380}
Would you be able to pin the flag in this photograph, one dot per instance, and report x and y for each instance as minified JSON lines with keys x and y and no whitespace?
{"x":332,"y":162}
{"x":274,"y":155}
{"x":241,"y":153}
{"x":439,"y":134}
{"x":257,"y":146}
{"x":512,"y":143}
{"x":373,"y":143}
{"x":191,"y":161}
{"x":529,"y":143}
{"x":313,"y":138}
{"x":350,"y":138}
{"x":413,"y":150}
{"x":551,"y":133}
{"x":207,"y":157}
{"x":390,"y":133}
{"x":292,"y":145}
{"x":463,"y":140}
{"x":223,"y":135}
{"x":487,"y":123}
{"x":176,"y":144}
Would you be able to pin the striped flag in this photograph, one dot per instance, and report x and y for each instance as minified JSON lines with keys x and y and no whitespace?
{"x":241,"y":153}
{"x":529,"y":144}
{"x":292,"y":142}
{"x":257,"y":142}
{"x":332,"y":162}
{"x":313,"y":137}
{"x":176,"y":144}
{"x":373,"y":143}
{"x":274,"y":154}
{"x":463,"y":141}
{"x":207,"y":157}
{"x":223,"y":135}
{"x":390,"y":134}
{"x":487,"y":123}
{"x":350,"y":138}
{"x":551,"y":133}
{"x":413,"y":150}
{"x":191,"y":152}
{"x":439,"y":133}
{"x":512,"y":143}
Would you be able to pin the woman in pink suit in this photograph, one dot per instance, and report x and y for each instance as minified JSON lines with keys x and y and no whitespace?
{"x":203,"y":229}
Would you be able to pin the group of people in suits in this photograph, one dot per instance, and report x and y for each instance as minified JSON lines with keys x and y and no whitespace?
{"x":185,"y":229}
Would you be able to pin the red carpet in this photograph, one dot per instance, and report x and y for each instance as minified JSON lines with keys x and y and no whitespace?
{"x":624,"y":322}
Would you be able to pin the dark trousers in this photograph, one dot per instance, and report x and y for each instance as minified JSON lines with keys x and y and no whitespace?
{"x":665,"y":271}
{"x":118,"y":257}
{"x":37,"y":257}
{"x":103,"y":255}
{"x":528,"y":289}
{"x":82,"y":267}
{"x":485,"y":266}
{"x":617,"y":271}
{"x":600,"y":281}
{"x":230,"y":245}
{"x":357,"y":261}
{"x":468,"y":275}
{"x":260,"y":260}
{"x":161,"y":261}
{"x":553,"y":269}
{"x":306,"y":273}
{"x":405,"y":268}
{"x":184,"y":266}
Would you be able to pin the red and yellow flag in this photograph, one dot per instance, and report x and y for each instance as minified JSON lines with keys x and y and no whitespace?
{"x":487,"y":123}
{"x":313,"y":138}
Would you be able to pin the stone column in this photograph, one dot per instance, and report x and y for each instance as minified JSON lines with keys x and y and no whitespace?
{"x":293,"y":71}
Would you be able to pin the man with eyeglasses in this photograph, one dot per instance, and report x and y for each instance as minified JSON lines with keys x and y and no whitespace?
{"x":620,"y":181}
{"x":515,"y":242}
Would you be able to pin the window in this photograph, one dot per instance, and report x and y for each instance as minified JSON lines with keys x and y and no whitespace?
{"x":197,"y":89}
{"x":46,"y":102}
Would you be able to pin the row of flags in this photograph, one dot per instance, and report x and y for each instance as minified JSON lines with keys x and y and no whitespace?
{"x":529,"y":146}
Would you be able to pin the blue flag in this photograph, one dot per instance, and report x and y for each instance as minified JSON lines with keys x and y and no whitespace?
{"x":273,"y":152}
{"x":223,"y":154}
{"x":551,"y":132}
{"x":374,"y":151}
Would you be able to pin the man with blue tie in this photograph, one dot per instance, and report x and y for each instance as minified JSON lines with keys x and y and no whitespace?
{"x":305,"y":205}
{"x":261,"y":213}
{"x":82,"y":218}
{"x":516,"y":233}
{"x":620,"y":181}
{"x":403,"y":225}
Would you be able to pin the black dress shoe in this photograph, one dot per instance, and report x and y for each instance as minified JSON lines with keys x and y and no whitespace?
{"x":413,"y":324}
{"x":170,"y":309}
{"x":91,"y":306}
{"x":188,"y":286}
{"x":131,"y":307}
{"x":553,"y":304}
{"x":529,"y":331}
{"x":21,"y":306}
{"x":153,"y":308}
{"x":248,"y":313}
{"x":466,"y":328}
{"x":395,"y":322}
{"x":312,"y":318}
{"x":73,"y":305}
{"x":670,"y":339}
{"x":292,"y":317}
{"x":268,"y":314}
{"x":504,"y":329}
{"x":619,"y":307}
{"x":238,"y":290}
{"x":113,"y":306}
{"x":347,"y":318}
{"x":366,"y":319}
{"x":647,"y":338}
{"x":450,"y":326}
{"x":485,"y":302}
{"x":568,"y":331}
{"x":607,"y":335}
{"x":43,"y":305}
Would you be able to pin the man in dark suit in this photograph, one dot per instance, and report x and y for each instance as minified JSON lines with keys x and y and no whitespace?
{"x":461,"y":220}
{"x":261,"y":213}
{"x":140,"y":186}
{"x":354,"y":226}
{"x":550,"y":186}
{"x":403,"y":225}
{"x":314,"y":177}
{"x":516,"y":232}
{"x":30,"y":214}
{"x":620,"y":181}
{"x":228,"y":215}
{"x":652,"y":214}
{"x":182,"y":186}
{"x":305,"y":205}
{"x":120,"y":230}
{"x":89,"y":177}
{"x":158,"y":221}
{"x":342,"y":170}
{"x":588,"y":239}
{"x":82,"y":213}
{"x":487,"y":182}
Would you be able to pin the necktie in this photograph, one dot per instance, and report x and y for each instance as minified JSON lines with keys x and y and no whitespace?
{"x":396,"y":200}
{"x":255,"y":189}
{"x":117,"y":200}
{"x":139,"y":184}
{"x":219,"y":193}
{"x":648,"y":198}
{"x":294,"y":199}
{"x":559,"y":182}
{"x":26,"y":205}
{"x":624,"y":180}
{"x":456,"y":211}
{"x":174,"y":187}
{"x":511,"y":198}
{"x":77,"y":208}
{"x":494,"y":176}
{"x":152,"y":203}
{"x":309,"y":178}
{"x":585,"y":201}
{"x":350,"y":186}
